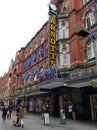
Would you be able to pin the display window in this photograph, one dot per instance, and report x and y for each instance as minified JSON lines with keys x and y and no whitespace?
{"x":38,"y":104}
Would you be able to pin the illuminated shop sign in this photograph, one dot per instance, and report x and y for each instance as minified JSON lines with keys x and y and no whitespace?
{"x":52,"y":41}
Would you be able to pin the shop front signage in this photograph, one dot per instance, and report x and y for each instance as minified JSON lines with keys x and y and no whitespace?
{"x":52,"y":41}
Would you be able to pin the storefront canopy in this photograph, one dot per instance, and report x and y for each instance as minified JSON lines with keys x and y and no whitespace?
{"x":38,"y":92}
{"x":80,"y":84}
{"x":55,"y":83}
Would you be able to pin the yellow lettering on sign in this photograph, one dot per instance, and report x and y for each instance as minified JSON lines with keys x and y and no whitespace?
{"x":53,"y":41}
{"x":53,"y":48}
{"x":52,"y":63}
{"x":53,"y":55}
{"x":52,"y":20}
{"x":52,"y":27}
{"x":53,"y":34}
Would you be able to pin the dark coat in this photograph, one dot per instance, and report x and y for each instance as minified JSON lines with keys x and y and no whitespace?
{"x":4,"y":110}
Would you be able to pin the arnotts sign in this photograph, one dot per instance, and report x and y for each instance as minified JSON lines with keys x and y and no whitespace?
{"x":52,"y":41}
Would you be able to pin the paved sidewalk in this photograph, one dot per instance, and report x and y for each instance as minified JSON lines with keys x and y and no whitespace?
{"x":34,"y":122}
{"x":70,"y":124}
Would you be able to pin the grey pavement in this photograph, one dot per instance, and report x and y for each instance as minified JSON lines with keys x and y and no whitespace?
{"x":34,"y":122}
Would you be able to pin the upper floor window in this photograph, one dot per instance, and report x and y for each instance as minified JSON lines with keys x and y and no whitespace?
{"x":35,"y":44}
{"x":64,"y":29}
{"x":64,"y":10}
{"x":35,"y":57}
{"x":42,"y":51}
{"x":25,"y":65}
{"x":26,"y":54}
{"x":65,"y":51}
{"x":85,"y":1}
{"x":90,"y":50}
{"x":42,"y":39}
{"x":29,"y":60}
{"x":57,"y":35}
{"x":90,"y":19}
{"x":30,"y":49}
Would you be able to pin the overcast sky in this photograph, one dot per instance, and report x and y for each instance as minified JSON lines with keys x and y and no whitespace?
{"x":19,"y":22}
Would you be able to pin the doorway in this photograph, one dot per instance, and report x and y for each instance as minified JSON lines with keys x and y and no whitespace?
{"x":93,"y":103}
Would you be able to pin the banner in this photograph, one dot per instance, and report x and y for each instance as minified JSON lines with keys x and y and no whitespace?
{"x":23,"y":79}
{"x":27,"y":75}
{"x":42,"y":51}
{"x":95,"y":2}
{"x":29,"y":61}
{"x":35,"y":56}
{"x":94,"y":34}
{"x":34,"y":73}
{"x":25,"y":65}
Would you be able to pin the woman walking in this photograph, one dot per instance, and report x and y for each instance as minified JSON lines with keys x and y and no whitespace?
{"x":4,"y":112}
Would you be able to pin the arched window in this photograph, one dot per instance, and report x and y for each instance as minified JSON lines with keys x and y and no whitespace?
{"x":41,"y":69}
{"x":64,"y":10}
{"x":90,"y":50}
{"x":64,"y":29}
{"x":85,"y":1}
{"x":89,"y":17}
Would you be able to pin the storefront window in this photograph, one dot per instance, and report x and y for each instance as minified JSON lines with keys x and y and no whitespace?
{"x":38,"y":103}
{"x":32,"y":105}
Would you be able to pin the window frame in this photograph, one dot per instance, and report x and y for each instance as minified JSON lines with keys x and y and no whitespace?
{"x":90,"y":19}
{"x":90,"y":50}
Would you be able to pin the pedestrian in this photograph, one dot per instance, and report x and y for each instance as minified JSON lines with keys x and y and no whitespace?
{"x":18,"y":118}
{"x":18,"y":108}
{"x":43,"y":109}
{"x":70,"y":110}
{"x":47,"y":108}
{"x":9,"y":111}
{"x":4,"y":112}
{"x":73,"y":112}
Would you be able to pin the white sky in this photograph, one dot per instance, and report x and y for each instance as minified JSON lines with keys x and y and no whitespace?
{"x":19,"y":22}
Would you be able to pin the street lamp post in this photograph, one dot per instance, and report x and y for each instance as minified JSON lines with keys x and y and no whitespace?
{"x":83,"y":32}
{"x":19,"y":74}
{"x":15,"y":103}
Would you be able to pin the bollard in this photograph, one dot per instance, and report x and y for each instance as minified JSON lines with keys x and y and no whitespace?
{"x":62,"y":116}
{"x":46,"y":118}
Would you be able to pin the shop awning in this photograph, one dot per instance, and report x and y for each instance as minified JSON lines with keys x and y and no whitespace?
{"x":31,"y":93}
{"x":55,"y":83}
{"x":38,"y":92}
{"x":79,"y":85}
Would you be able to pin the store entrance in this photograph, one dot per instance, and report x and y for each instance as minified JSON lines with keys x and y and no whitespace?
{"x":56,"y":107}
{"x":64,"y":101}
{"x":93,"y":102}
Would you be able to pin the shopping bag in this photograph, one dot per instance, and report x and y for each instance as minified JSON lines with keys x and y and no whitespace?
{"x":1,"y":113}
{"x":14,"y":119}
{"x":42,"y":116}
